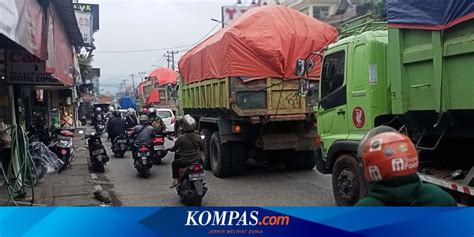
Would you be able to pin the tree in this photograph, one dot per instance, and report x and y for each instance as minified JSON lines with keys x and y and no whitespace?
{"x":85,"y":65}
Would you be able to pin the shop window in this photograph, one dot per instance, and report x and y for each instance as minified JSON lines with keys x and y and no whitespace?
{"x":320,"y":12}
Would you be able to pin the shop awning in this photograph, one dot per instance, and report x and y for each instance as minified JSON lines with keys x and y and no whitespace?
{"x":164,"y":76}
{"x":23,"y":22}
{"x":60,"y":61}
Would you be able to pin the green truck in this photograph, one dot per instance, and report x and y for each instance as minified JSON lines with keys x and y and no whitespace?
{"x":261,"y":119}
{"x":417,"y":81}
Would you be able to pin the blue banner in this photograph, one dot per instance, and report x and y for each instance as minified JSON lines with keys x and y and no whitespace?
{"x":224,"y":221}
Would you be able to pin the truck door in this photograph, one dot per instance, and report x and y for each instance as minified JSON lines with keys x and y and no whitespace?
{"x":360,"y":116}
{"x":332,"y":108}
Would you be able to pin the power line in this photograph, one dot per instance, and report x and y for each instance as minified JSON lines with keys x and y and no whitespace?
{"x":160,"y":49}
{"x":143,"y":50}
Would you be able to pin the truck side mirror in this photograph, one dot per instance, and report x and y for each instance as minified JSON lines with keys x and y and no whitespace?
{"x":300,"y":67}
{"x":303,"y":87}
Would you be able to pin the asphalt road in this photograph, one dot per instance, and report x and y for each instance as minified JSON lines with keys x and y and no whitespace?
{"x":260,"y":185}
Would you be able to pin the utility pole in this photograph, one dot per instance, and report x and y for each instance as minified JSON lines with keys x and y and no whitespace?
{"x":168,"y":59}
{"x":172,"y":58}
{"x":133,"y":85}
{"x":124,"y":86}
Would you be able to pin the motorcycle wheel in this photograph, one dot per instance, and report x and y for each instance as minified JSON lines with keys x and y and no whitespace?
{"x":188,"y":195}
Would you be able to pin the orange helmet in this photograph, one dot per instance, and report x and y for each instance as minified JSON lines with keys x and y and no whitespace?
{"x":387,"y":155}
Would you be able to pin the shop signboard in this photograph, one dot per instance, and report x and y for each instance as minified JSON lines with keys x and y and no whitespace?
{"x":24,"y":68}
{"x":87,"y":16}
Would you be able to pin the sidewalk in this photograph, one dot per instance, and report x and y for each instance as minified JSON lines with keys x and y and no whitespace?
{"x":72,"y":187}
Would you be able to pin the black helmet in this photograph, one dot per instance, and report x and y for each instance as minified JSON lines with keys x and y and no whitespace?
{"x":143,"y":119}
{"x":189,"y":123}
{"x":152,"y":112}
{"x":116,"y":114}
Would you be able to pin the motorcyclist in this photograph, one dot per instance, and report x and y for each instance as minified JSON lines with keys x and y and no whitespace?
{"x":110,"y":112}
{"x":115,"y":127}
{"x":390,"y":164}
{"x":98,"y":117}
{"x":108,"y":117}
{"x":189,"y":146}
{"x":155,"y":121}
{"x":143,"y":134}
{"x":131,"y":120}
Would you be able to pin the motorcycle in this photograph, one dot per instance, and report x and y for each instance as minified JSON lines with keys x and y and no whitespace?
{"x":120,"y":146}
{"x":99,"y":128}
{"x":158,"y":149}
{"x":62,"y":147}
{"x":191,"y":184}
{"x":142,"y":159}
{"x":97,"y":154}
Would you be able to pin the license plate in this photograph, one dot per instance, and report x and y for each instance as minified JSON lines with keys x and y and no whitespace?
{"x":146,"y":154}
{"x":122,"y":141}
{"x":97,"y":152}
{"x":159,"y":147}
{"x":193,"y":177}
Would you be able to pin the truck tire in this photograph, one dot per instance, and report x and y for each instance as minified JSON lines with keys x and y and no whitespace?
{"x":221,"y":157}
{"x":239,"y":157}
{"x":348,"y":183}
{"x":207,"y":145}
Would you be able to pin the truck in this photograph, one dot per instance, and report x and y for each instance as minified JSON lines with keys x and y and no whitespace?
{"x":240,"y":87}
{"x":415,"y":75}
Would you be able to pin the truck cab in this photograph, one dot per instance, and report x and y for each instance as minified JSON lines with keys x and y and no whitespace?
{"x":354,"y":92}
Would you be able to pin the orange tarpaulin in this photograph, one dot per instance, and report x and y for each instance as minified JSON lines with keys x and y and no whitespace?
{"x":164,"y":76}
{"x":154,"y":97}
{"x":264,"y":42}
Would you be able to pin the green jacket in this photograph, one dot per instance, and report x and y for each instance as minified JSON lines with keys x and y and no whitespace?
{"x":406,"y":191}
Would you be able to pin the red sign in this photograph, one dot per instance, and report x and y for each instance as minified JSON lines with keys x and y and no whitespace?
{"x":358,"y":117}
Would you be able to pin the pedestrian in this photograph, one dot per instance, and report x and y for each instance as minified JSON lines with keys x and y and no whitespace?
{"x":131,"y":120}
{"x":115,"y":127}
{"x":390,"y":164}
{"x":189,"y":146}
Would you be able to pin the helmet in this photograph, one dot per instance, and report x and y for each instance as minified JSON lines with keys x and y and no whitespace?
{"x":98,"y":109}
{"x":387,"y":155}
{"x":145,"y":111}
{"x":189,"y":123}
{"x":152,"y":112}
{"x":131,"y":111}
{"x":116,"y":113}
{"x":143,"y":119}
{"x":111,"y":109}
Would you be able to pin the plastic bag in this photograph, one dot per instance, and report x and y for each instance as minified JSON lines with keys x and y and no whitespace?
{"x":45,"y":160}
{"x":4,"y":133}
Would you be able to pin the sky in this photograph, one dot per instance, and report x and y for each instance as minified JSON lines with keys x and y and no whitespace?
{"x":133,"y":25}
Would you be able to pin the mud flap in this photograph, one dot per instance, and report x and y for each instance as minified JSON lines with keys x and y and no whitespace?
{"x":198,"y":184}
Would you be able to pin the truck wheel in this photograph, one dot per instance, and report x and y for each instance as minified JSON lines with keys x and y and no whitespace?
{"x":239,"y":158}
{"x":348,"y":183}
{"x":221,"y":157}
{"x":207,"y":145}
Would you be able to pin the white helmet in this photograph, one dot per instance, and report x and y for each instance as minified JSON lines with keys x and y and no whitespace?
{"x":111,"y":109}
{"x":131,"y":111}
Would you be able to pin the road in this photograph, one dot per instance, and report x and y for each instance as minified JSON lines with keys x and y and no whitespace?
{"x":260,"y":185}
